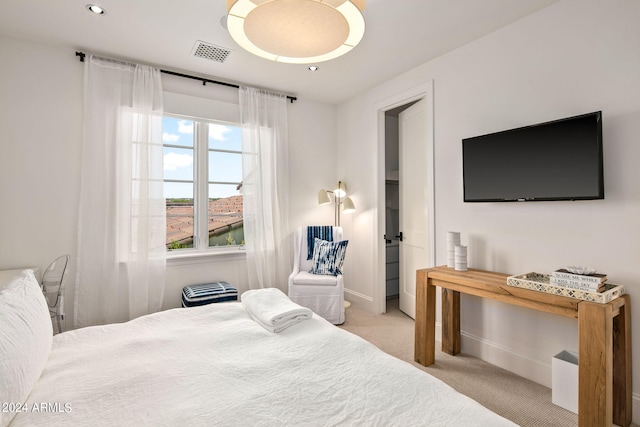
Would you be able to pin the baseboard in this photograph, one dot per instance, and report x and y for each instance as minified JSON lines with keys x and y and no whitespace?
{"x":519,"y":364}
{"x":503,"y":357}
{"x":359,"y":300}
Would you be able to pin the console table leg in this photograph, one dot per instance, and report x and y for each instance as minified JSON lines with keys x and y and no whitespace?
{"x":425,"y":324}
{"x":595,"y":367}
{"x":622,"y":392}
{"x":450,"y":321}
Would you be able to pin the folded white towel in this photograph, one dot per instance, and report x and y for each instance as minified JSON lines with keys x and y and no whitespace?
{"x":272,"y":309}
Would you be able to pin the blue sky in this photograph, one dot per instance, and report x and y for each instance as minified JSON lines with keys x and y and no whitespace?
{"x":178,"y":162}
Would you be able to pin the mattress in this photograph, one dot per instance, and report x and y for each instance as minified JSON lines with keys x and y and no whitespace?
{"x":213,"y":365}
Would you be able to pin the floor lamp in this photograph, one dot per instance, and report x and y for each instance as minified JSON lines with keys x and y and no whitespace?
{"x":339,"y":198}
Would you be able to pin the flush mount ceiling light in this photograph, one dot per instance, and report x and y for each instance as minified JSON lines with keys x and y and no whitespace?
{"x":296,"y":31}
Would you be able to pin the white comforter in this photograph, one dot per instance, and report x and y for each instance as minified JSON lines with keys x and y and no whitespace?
{"x":214,"y":366}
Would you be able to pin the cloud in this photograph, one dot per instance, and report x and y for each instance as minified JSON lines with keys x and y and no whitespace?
{"x":185,"y":126}
{"x":170,"y":137}
{"x":218,"y":132}
{"x":173,"y":161}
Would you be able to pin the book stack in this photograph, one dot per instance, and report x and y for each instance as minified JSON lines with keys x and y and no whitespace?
{"x":583,"y":282}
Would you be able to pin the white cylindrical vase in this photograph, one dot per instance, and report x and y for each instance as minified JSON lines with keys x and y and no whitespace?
{"x":453,"y":240}
{"x":460,"y":258}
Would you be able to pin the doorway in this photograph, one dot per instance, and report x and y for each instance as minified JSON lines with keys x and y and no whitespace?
{"x":406,"y":205}
{"x":392,"y":200}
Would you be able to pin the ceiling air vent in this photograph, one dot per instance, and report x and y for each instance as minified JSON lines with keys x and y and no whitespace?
{"x":210,"y":51}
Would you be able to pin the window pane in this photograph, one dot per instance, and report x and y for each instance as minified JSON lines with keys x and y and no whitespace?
{"x":178,"y":192}
{"x":221,"y":191}
{"x":185,"y":140}
{"x":225,"y":167}
{"x":225,"y":216}
{"x":177,"y":131}
{"x":225,"y":137}
{"x":178,"y":163}
{"x":180,"y":229}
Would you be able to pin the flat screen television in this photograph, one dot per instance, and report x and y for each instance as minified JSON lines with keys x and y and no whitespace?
{"x":557,"y":160}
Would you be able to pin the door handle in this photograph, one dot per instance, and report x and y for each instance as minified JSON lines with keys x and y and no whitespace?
{"x":399,"y":237}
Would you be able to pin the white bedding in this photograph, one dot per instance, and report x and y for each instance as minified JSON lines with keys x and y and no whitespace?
{"x":214,"y":366}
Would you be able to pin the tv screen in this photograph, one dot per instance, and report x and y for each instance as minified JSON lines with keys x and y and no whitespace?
{"x":558,"y":160}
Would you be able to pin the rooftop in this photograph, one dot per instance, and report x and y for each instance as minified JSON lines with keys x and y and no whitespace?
{"x":224,"y":214}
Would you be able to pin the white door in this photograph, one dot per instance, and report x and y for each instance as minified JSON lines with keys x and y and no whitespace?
{"x":415,"y":181}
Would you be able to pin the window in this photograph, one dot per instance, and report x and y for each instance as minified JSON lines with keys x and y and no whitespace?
{"x":202,"y":183}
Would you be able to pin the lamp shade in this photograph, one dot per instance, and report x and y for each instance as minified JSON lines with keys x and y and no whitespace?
{"x":296,"y":31}
{"x":341,"y":190}
{"x":348,"y":206}
{"x":323,"y":197}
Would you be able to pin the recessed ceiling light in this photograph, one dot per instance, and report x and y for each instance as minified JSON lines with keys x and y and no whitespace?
{"x":96,"y":9}
{"x":313,"y":68}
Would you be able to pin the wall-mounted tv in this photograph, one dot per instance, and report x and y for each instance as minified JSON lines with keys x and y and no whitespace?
{"x":557,"y":160}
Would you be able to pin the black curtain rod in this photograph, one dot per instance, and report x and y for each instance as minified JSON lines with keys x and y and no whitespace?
{"x":187,"y":76}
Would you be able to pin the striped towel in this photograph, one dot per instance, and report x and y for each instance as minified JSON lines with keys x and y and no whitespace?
{"x":322,"y":232}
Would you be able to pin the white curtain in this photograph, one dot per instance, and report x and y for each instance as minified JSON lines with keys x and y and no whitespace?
{"x":265,"y":188}
{"x":121,"y":229}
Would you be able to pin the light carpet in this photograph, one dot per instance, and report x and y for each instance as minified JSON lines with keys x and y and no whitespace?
{"x":520,"y":400}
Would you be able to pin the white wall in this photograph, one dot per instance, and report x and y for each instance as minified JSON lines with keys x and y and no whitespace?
{"x":573,"y":57}
{"x":40,"y":132}
{"x":41,"y":96}
{"x":312,"y":159}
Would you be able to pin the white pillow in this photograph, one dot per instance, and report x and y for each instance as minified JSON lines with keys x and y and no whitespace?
{"x":25,"y":339}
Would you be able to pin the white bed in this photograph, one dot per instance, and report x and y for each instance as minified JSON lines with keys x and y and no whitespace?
{"x":214,"y":365}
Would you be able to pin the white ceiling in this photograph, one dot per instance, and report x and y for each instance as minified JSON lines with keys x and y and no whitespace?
{"x":400,"y":35}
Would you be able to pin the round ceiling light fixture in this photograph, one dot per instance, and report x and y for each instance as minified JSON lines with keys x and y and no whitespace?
{"x":296,"y":31}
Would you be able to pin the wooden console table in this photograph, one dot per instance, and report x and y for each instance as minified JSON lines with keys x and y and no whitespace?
{"x":604,"y":341}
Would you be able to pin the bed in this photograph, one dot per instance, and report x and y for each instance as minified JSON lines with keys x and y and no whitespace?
{"x":209,"y":365}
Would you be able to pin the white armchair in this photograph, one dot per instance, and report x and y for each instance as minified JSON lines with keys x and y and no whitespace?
{"x":323,"y":294}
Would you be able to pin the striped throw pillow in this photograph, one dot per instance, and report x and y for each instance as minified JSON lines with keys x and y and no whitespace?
{"x":328,"y":257}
